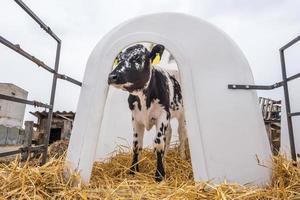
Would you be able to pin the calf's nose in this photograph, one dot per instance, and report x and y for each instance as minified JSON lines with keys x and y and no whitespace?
{"x":112,"y":78}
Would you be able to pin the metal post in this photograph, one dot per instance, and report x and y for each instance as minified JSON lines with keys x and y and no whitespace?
{"x":28,"y":139}
{"x":52,"y":98}
{"x":287,"y":105}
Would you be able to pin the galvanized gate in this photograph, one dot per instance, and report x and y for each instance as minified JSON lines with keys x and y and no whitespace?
{"x":40,"y":63}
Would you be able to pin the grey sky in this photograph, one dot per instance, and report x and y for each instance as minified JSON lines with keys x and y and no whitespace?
{"x":259,"y":27}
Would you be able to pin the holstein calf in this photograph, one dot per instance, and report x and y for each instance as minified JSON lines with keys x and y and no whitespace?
{"x":155,"y":97}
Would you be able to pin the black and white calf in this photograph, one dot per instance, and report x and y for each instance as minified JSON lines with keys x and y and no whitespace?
{"x":155,"y":97}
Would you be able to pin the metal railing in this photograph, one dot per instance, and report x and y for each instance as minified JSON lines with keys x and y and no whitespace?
{"x":284,"y":84}
{"x":56,"y":75}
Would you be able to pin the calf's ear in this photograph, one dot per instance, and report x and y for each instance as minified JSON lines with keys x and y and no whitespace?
{"x":156,"y":53}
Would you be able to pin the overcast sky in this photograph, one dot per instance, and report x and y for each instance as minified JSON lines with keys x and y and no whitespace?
{"x":259,"y":27}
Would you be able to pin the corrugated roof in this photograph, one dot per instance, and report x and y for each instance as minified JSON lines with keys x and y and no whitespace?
{"x":39,"y":114}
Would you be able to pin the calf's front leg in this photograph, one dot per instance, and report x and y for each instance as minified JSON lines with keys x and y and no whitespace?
{"x":160,"y":145}
{"x":138,"y":135}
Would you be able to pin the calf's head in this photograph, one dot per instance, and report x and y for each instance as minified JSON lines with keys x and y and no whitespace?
{"x":133,"y":67}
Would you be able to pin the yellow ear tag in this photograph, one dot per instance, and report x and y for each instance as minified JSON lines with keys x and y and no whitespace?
{"x":116,"y":62}
{"x":156,"y":60}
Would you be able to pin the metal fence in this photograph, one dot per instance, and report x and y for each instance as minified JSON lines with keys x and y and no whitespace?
{"x":40,"y":63}
{"x":284,"y":84}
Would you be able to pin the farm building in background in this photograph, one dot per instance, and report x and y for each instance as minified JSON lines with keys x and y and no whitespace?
{"x":271,"y":111}
{"x":61,"y":126}
{"x":11,"y":115}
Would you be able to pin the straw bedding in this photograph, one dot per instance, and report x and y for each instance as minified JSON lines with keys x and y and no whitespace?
{"x":110,"y":180}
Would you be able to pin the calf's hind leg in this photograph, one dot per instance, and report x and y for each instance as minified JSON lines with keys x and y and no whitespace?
{"x":159,"y":145}
{"x":183,"y":140}
{"x":168,"y":138}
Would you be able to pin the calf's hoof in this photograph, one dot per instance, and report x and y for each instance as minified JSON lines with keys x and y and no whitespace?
{"x":158,"y":177}
{"x":133,"y":169}
{"x":131,"y":172}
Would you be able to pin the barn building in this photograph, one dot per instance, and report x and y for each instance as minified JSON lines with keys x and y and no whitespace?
{"x":61,"y":126}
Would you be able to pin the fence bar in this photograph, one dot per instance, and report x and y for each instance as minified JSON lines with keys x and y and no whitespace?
{"x":67,"y":78}
{"x":37,"y":19}
{"x":10,"y":153}
{"x":293,"y":77}
{"x":24,"y":101}
{"x":295,"y":40}
{"x":22,"y":150}
{"x":52,"y":98}
{"x":294,"y":114}
{"x":262,"y":87}
{"x":287,"y":105}
{"x":254,"y":87}
{"x":19,"y":50}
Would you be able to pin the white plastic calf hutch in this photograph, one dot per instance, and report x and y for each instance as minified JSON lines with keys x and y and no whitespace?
{"x":225,"y":127}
